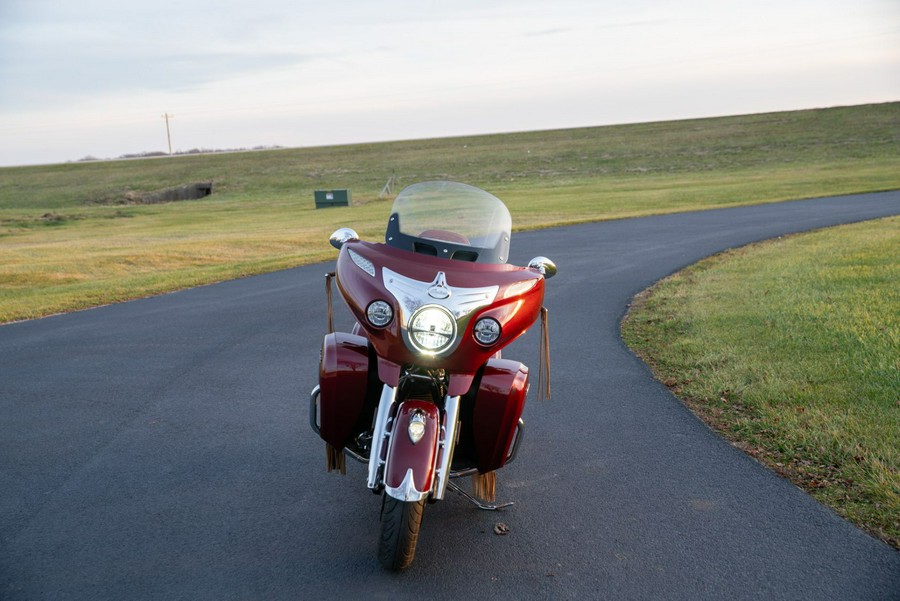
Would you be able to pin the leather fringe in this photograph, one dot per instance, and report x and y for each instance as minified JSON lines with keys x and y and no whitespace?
{"x":335,"y":460}
{"x":328,"y":278}
{"x":484,"y":486}
{"x":544,"y":367}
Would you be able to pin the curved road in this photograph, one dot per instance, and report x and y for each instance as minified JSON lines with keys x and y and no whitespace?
{"x":159,"y":449}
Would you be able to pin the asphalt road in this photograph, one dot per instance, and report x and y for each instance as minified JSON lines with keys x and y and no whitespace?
{"x":159,"y":449}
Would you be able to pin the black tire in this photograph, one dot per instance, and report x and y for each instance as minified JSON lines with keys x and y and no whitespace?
{"x":400,"y":521}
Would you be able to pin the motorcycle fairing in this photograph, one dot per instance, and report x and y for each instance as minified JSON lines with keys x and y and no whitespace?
{"x":361,"y":271}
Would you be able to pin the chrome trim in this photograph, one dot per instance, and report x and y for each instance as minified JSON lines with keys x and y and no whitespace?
{"x":411,"y":295}
{"x":410,"y":339}
{"x":380,"y":436}
{"x":446,"y":445}
{"x":471,"y":471}
{"x":362,"y":262}
{"x":420,"y":377}
{"x":440,"y":290}
{"x":517,"y":440}
{"x":342,"y":236}
{"x":354,"y":455}
{"x":407,"y":489}
{"x":545,"y":266}
{"x":314,"y":410}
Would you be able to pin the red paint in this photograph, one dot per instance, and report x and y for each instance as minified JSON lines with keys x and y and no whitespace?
{"x":498,"y":407}
{"x":403,"y":455}
{"x":516,"y":307}
{"x":343,"y":375}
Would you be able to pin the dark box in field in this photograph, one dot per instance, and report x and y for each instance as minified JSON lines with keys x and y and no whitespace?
{"x":332,"y":198}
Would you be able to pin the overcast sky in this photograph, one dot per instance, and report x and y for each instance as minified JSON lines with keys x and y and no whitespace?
{"x":94,"y":77}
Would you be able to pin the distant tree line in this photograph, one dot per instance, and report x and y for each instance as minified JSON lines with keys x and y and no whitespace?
{"x":159,"y":153}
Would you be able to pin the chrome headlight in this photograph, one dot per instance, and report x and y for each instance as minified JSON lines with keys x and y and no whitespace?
{"x":486,"y":331}
{"x":432,"y":329}
{"x":379,"y":313}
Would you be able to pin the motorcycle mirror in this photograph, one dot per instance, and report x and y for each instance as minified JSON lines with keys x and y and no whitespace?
{"x":342,"y":236}
{"x":544,"y":265}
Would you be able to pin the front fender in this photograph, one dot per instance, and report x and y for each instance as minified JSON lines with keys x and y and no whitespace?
{"x":409,"y":468}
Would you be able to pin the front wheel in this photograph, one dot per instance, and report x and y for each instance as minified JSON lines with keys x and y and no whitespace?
{"x":400,"y":521}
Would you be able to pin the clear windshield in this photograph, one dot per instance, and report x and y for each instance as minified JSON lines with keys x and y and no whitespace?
{"x":450,"y":220}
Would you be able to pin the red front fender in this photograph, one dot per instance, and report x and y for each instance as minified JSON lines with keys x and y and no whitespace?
{"x":410,"y":467}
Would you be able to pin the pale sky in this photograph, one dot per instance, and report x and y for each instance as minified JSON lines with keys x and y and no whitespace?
{"x":94,"y":77}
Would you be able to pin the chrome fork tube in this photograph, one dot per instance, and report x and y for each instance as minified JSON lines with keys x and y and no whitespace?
{"x":447,"y":444}
{"x":379,"y":433}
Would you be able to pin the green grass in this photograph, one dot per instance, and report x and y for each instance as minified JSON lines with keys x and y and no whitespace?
{"x":791,"y":349}
{"x":67,"y":242}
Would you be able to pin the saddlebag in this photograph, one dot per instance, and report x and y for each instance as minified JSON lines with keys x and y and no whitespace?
{"x":498,"y":406}
{"x":343,"y":385}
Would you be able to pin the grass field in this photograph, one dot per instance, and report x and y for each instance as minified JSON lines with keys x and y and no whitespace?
{"x":791,"y":349}
{"x":69,"y":240}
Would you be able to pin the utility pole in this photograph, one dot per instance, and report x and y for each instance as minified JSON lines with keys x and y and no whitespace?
{"x":167,"y":116}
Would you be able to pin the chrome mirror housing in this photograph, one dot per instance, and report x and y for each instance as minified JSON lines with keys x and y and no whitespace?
{"x":342,"y":236}
{"x":544,"y":265}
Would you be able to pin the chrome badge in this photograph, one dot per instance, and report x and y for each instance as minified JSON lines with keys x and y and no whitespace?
{"x":439,"y":288}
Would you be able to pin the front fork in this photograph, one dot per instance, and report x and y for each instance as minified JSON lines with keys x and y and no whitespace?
{"x":379,"y":434}
{"x":392,"y":455}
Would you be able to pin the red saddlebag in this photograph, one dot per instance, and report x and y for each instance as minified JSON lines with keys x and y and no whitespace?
{"x":343,"y":381}
{"x":498,"y":407}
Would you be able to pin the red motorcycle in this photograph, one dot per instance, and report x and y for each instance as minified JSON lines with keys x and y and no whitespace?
{"x":418,"y":390}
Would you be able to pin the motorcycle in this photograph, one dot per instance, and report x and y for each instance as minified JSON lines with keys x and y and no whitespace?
{"x":417,"y":390}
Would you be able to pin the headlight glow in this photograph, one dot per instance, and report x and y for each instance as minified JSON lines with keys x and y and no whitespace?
{"x":486,"y":330}
{"x":432,"y":329}
{"x":379,"y":313}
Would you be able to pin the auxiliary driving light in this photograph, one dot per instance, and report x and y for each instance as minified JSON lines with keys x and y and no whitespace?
{"x":379,"y":313}
{"x":487,"y":330}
